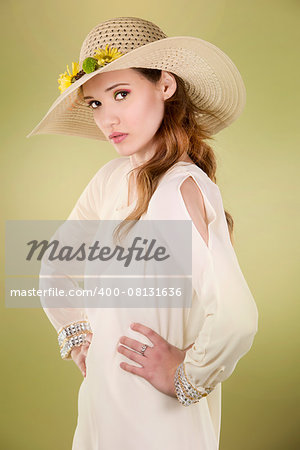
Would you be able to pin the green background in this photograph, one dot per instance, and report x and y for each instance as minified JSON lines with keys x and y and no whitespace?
{"x":42,"y":177}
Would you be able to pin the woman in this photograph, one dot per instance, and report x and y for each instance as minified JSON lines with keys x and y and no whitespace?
{"x":163,"y":97}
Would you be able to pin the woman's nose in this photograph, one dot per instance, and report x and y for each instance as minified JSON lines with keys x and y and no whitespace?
{"x":106,"y":119}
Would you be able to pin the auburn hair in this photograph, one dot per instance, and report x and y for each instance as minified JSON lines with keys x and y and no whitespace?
{"x":179,"y":133}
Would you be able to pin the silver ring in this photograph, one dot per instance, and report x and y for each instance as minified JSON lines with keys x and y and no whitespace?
{"x":143,"y":349}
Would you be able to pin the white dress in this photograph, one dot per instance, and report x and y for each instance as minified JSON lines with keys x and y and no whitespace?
{"x":120,"y":410}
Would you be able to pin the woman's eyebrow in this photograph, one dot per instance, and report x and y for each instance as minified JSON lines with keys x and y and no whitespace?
{"x":108,"y":89}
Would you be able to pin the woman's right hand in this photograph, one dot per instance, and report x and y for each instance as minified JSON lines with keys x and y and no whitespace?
{"x":79,"y":354}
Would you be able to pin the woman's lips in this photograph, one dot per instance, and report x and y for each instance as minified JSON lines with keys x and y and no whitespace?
{"x":119,"y":138}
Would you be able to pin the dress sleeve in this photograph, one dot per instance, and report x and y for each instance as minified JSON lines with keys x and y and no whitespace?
{"x":71,"y":323}
{"x":229,"y":311}
{"x":229,"y":325}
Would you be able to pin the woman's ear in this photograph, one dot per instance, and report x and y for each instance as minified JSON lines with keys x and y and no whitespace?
{"x":168,"y":84}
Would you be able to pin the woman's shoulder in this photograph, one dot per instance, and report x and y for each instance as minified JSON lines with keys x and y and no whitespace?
{"x":185,"y":183}
{"x":114,"y":164}
{"x":179,"y":172}
{"x":111,"y":169}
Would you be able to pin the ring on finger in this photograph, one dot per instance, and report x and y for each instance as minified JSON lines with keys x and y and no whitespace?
{"x":143,"y":349}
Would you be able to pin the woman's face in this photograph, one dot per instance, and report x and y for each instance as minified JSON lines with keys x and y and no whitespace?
{"x":124,"y":101}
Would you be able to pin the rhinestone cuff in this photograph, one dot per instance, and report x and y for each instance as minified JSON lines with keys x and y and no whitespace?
{"x":70,"y":343}
{"x":73,"y":328}
{"x":72,"y":335}
{"x":186,"y":393}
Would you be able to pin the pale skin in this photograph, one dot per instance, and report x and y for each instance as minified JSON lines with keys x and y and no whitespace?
{"x":158,"y":363}
{"x":141,"y":108}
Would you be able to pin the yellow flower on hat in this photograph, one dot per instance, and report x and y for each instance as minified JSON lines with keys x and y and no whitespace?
{"x":66,"y":79}
{"x":90,"y":64}
{"x":105,"y":56}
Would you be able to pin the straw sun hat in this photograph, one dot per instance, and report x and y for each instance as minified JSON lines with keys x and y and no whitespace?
{"x":212,"y":80}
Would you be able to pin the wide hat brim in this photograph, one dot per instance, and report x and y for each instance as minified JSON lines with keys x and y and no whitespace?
{"x":212,"y":80}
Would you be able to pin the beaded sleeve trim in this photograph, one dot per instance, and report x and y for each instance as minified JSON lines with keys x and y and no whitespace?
{"x":72,"y":335}
{"x":186,"y":393}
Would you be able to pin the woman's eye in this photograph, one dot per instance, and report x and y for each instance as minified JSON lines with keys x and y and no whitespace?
{"x":121,"y":92}
{"x":92,"y":102}
{"x":90,"y":105}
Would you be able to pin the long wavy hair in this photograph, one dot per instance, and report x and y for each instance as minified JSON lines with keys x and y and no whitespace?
{"x":178,"y":133}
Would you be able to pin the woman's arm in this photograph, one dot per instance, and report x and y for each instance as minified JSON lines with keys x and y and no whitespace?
{"x":231,"y":316}
{"x":71,"y":323}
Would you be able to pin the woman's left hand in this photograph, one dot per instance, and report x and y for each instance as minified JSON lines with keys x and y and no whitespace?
{"x":159,"y":362}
